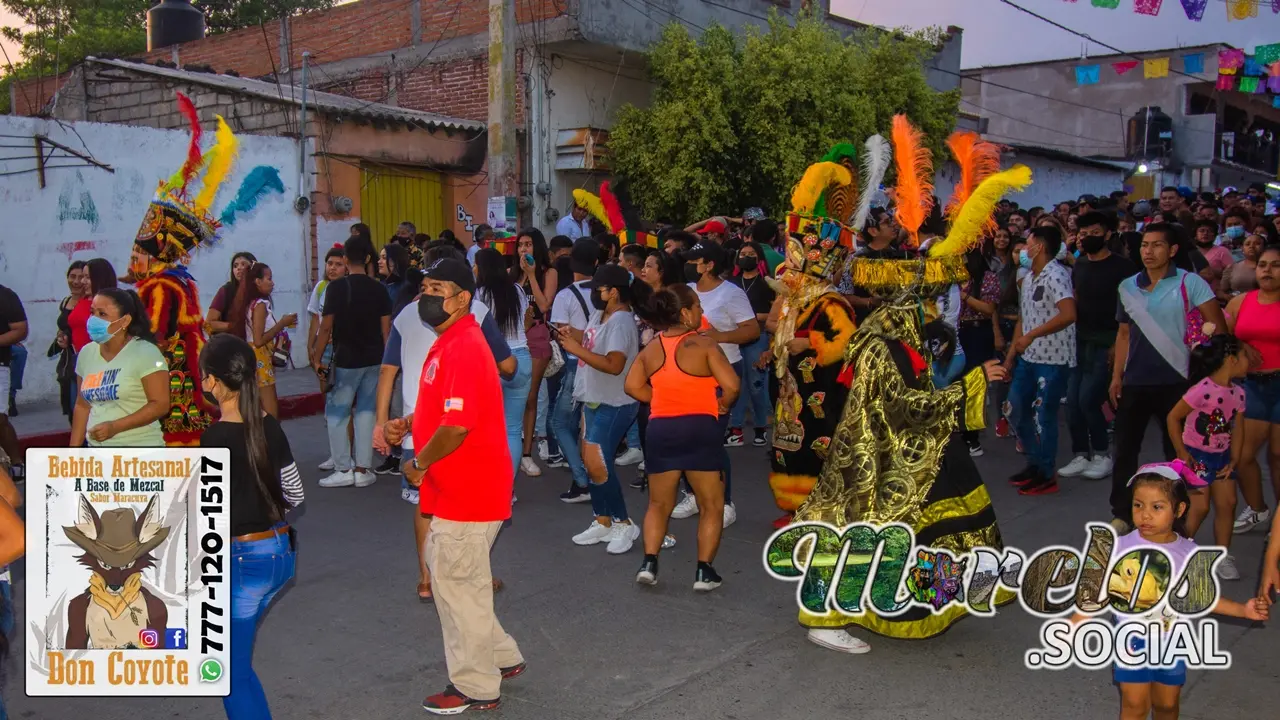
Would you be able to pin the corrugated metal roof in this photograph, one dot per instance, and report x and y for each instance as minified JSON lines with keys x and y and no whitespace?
{"x":281,"y":93}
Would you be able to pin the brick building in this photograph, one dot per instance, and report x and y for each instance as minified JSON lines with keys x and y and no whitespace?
{"x":578,"y":62}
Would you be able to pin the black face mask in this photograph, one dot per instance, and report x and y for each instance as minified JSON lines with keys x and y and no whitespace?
{"x":691,"y":273}
{"x":1091,"y":244}
{"x":431,"y":310}
{"x":748,"y":263}
{"x":597,"y":301}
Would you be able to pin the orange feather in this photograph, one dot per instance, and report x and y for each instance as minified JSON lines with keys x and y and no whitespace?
{"x":914,"y":191}
{"x":977,"y":159}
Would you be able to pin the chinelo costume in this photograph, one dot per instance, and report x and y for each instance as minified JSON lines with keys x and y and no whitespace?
{"x":805,"y":385}
{"x":895,"y":454}
{"x":175,"y":225}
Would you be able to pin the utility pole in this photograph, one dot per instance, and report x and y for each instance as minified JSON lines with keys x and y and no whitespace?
{"x":502,"y":99}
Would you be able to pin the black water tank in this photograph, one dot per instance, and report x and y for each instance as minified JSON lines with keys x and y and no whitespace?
{"x":1150,"y":135}
{"x":172,"y":22}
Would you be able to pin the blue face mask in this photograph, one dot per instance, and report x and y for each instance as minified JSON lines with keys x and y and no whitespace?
{"x":99,"y":329}
{"x":1024,"y":260}
{"x":1235,"y":232}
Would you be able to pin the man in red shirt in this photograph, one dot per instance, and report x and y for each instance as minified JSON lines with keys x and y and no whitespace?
{"x":463,"y":470}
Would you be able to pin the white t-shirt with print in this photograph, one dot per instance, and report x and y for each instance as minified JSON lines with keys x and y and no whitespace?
{"x":617,"y":334}
{"x":1040,"y":297}
{"x":726,"y":307}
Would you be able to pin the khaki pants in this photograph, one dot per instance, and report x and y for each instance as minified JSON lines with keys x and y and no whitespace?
{"x":475,"y":645}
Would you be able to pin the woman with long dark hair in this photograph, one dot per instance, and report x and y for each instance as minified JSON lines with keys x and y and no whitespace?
{"x":393,"y":267}
{"x":265,"y":484}
{"x":216,"y":317}
{"x":539,"y":280}
{"x":510,"y":306}
{"x":751,"y":273}
{"x":78,"y":285}
{"x":123,"y":377}
{"x":100,"y":275}
{"x":978,"y":318}
{"x":251,"y":319}
{"x":1003,"y":261}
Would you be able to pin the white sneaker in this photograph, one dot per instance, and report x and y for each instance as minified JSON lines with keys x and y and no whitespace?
{"x":543,"y":453}
{"x":621,"y":537}
{"x":687,"y":507}
{"x":339,"y":479}
{"x":640,"y":467}
{"x":1227,"y":569}
{"x":1076,"y":467}
{"x":1099,"y":468}
{"x":327,"y":465}
{"x":730,"y":514}
{"x":630,"y":457}
{"x":529,"y":467}
{"x":1250,"y":519}
{"x":668,"y":541}
{"x":838,"y":640}
{"x":597,"y":533}
{"x":365,"y":479}
{"x":409,"y":495}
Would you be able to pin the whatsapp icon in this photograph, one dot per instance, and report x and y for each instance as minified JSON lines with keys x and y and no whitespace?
{"x":210,"y":670}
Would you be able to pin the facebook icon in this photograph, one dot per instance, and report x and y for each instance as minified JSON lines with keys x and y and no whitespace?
{"x":175,"y":639}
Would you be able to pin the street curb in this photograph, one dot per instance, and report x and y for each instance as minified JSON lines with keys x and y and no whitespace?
{"x":292,"y":406}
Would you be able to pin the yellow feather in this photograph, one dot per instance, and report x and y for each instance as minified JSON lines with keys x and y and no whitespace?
{"x":582,"y":198}
{"x":817,"y":179}
{"x":223,"y":155}
{"x":966,"y":231}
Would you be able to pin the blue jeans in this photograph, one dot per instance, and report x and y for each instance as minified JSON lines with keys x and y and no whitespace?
{"x":359,"y":386}
{"x":552,"y":386}
{"x":566,"y":424}
{"x":515,"y":396}
{"x":259,"y":570}
{"x":633,"y":437}
{"x":606,"y":425}
{"x":1034,"y":397}
{"x":755,"y":387}
{"x":1086,"y":391}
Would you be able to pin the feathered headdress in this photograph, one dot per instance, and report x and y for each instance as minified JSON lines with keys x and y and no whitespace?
{"x":593,"y":206}
{"x":175,"y":224}
{"x":875,"y":161}
{"x":914,"y":192}
{"x":968,"y":228}
{"x":977,"y":159}
{"x":821,"y":203}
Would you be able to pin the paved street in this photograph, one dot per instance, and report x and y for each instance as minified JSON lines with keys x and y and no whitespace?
{"x":350,"y":641}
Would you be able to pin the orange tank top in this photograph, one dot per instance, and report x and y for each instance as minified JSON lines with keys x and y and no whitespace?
{"x":676,"y":392}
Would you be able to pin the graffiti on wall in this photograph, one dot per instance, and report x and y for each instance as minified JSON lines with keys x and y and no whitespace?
{"x":465,"y":218}
{"x":84,"y":210}
{"x":261,"y":181}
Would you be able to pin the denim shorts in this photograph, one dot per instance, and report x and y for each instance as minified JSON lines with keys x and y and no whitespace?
{"x":1262,"y":397}
{"x":1208,"y":464}
{"x":1175,"y":676}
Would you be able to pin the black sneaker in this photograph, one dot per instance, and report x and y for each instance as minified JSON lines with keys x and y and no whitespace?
{"x":453,"y":702}
{"x":556,"y":461}
{"x":975,"y":450}
{"x":390,"y":466}
{"x":706,"y":579}
{"x":18,"y":472}
{"x":641,"y":482}
{"x":733,"y":438}
{"x":760,"y":439}
{"x":1024,"y":476}
{"x":648,"y":574}
{"x":575,"y":494}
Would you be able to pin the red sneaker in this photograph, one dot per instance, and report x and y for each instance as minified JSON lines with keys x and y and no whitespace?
{"x":1042,"y":488}
{"x":782,"y":522}
{"x":453,"y":702}
{"x":514,"y":670}
{"x":1018,"y":446}
{"x":1002,"y":428}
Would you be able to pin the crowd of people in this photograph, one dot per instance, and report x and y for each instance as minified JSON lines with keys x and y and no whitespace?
{"x":456,"y":369}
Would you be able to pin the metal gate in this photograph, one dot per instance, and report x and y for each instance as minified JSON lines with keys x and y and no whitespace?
{"x":392,"y":194}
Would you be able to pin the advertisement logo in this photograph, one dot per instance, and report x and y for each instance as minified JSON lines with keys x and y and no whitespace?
{"x":210,"y":670}
{"x":149,"y":639}
{"x":865,"y":568}
{"x":175,"y":639}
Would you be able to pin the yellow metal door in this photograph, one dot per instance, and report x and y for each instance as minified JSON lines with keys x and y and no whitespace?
{"x":390,"y":195}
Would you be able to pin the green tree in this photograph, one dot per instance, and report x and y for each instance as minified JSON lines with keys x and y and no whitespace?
{"x":60,"y":33}
{"x":735,"y":120}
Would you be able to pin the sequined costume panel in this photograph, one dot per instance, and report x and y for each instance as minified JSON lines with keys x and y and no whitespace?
{"x":808,"y":399}
{"x":173,"y":306}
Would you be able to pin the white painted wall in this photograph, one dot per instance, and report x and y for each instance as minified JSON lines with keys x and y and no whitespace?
{"x":38,"y":239}
{"x":1052,"y":181}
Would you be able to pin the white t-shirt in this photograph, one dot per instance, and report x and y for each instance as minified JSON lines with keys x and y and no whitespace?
{"x":726,"y":307}
{"x":516,"y":338}
{"x":416,"y":339}
{"x":266,"y":325}
{"x":315,"y":306}
{"x":471,"y":254}
{"x":573,"y":229}
{"x":565,"y":308}
{"x":618,"y":334}
{"x":1039,"y":303}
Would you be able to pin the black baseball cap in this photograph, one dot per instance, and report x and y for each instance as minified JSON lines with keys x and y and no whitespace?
{"x":454,"y":271}
{"x":710,"y":252}
{"x":584,"y":256}
{"x":609,"y":275}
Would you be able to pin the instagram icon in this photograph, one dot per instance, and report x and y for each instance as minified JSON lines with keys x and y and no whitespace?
{"x":149,"y":639}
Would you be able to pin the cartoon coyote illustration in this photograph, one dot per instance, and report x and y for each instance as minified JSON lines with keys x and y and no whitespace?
{"x":115,"y":608}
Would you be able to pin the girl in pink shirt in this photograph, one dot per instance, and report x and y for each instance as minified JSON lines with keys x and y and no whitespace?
{"x":1206,"y":427}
